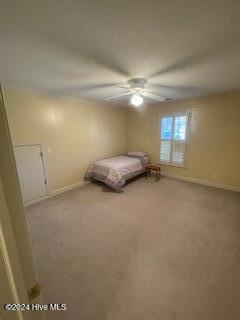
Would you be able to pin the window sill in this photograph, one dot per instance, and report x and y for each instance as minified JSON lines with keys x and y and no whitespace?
{"x":172,"y":165}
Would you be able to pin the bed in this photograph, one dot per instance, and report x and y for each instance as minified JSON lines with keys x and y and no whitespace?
{"x":115,"y":171}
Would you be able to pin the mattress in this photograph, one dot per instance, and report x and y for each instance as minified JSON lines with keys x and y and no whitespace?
{"x":116,"y":171}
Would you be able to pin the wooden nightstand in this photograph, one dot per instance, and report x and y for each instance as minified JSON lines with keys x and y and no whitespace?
{"x":153,"y":167}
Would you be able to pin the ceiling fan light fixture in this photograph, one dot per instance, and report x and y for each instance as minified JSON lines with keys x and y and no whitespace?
{"x":136,"y":100}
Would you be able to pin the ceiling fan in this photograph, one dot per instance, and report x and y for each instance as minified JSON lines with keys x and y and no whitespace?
{"x":137,"y":91}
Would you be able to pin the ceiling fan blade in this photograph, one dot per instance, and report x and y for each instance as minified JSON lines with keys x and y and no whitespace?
{"x":118,"y":96}
{"x":85,"y":88}
{"x":126,"y":87}
{"x":155,"y":86}
{"x":153,"y":96}
{"x":96,"y":86}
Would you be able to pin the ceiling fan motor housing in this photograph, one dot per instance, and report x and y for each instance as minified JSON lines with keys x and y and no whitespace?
{"x":137,"y":83}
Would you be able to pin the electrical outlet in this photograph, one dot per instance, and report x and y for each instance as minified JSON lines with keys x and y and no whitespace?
{"x":215,"y":176}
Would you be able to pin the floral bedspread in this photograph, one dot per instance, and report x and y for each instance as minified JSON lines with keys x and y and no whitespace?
{"x":116,"y":171}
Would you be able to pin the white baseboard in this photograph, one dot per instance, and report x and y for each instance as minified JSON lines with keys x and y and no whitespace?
{"x":203,"y":182}
{"x":57,"y":191}
{"x":69,"y":187}
{"x":168,"y":175}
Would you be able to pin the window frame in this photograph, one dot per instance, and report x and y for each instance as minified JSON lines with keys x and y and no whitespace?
{"x":174,"y":115}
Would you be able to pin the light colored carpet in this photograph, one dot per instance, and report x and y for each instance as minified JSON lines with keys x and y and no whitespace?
{"x":159,"y":251}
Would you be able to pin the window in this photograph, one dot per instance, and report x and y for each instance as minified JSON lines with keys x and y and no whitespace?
{"x":173,"y":136}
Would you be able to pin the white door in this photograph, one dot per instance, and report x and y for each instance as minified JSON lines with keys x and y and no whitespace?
{"x":30,"y":168}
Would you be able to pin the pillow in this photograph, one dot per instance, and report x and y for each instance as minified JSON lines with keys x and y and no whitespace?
{"x":137,"y":153}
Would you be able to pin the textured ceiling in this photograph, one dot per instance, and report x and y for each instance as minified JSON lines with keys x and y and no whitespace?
{"x":82,"y":48}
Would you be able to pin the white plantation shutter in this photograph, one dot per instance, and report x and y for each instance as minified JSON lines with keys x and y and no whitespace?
{"x":178,"y":152}
{"x":165,"y":150}
{"x":174,"y":137}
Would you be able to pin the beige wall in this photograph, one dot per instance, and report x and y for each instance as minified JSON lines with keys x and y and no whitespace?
{"x":77,"y":132}
{"x":214,"y":146}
